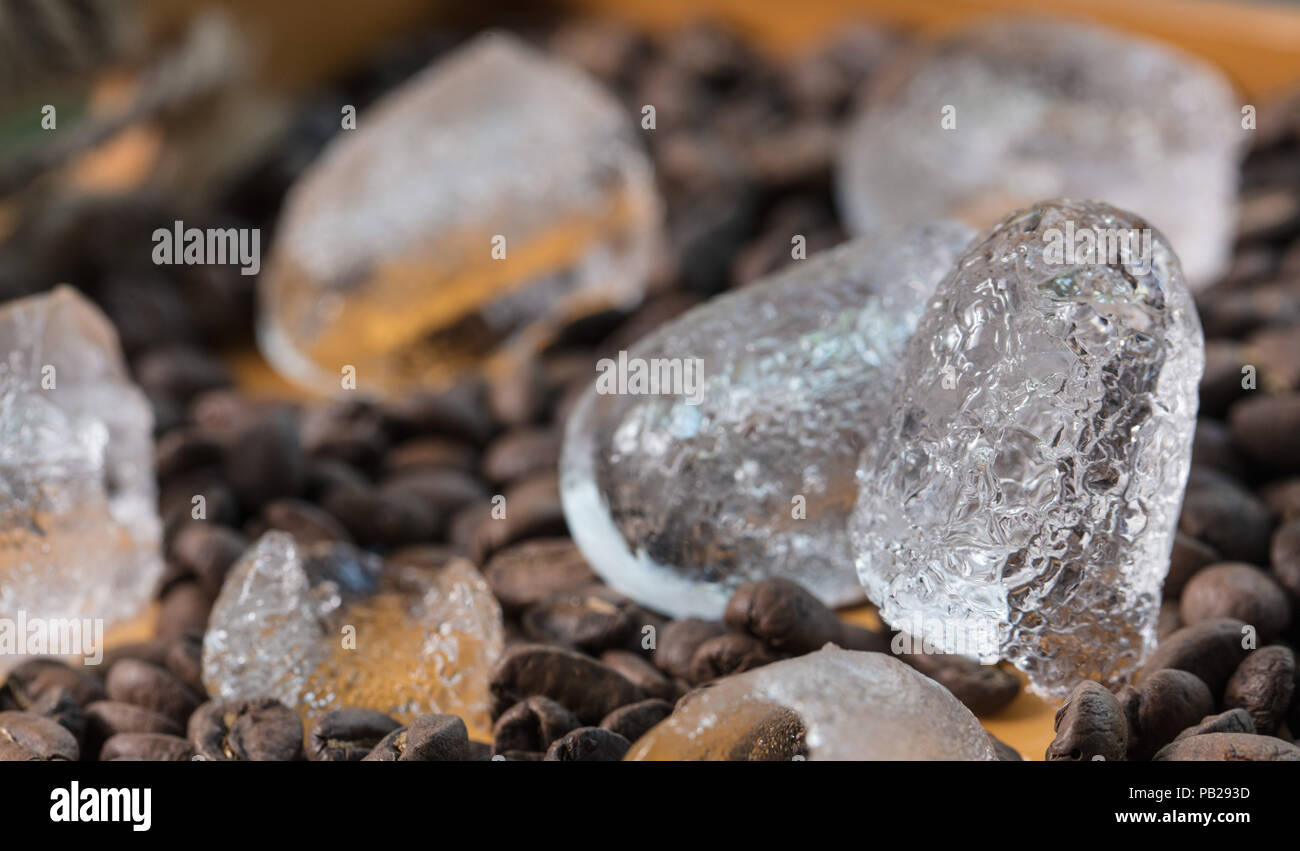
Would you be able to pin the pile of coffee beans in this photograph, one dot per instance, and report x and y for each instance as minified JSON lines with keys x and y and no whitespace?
{"x":742,"y":150}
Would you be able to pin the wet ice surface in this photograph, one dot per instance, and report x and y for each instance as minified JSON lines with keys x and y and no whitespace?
{"x":78,"y":515}
{"x":676,"y":504}
{"x":423,"y":639}
{"x":384,"y":256}
{"x":829,"y":705}
{"x":1046,"y":108}
{"x":1028,"y":484}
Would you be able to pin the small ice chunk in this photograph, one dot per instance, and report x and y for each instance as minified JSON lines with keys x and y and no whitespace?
{"x":829,"y":705}
{"x":678,"y":494}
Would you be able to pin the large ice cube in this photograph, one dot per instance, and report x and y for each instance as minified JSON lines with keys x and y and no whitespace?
{"x":78,"y":511}
{"x":494,"y":191}
{"x":1023,"y":498}
{"x":677,"y":498}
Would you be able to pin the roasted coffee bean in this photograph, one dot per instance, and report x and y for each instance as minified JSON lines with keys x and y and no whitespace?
{"x":730,"y":653}
{"x":678,"y":641}
{"x":208,"y":550}
{"x":520,"y":453}
{"x":461,"y":412}
{"x":185,"y":660}
{"x":431,"y":453}
{"x":1090,"y":724}
{"x":1168,"y":702}
{"x":478,"y":752}
{"x":152,"y":687}
{"x":783,"y":614}
{"x":348,"y":735}
{"x":153,"y":651}
{"x":265,"y":460}
{"x":42,"y":738}
{"x":442,"y":491}
{"x":307,"y":523}
{"x":344,"y":431}
{"x":1237,"y":591}
{"x":185,"y":606}
{"x":1219,"y":512}
{"x":532,"y":571}
{"x":635,"y":720}
{"x":1255,"y":423}
{"x":423,"y":556}
{"x":1232,"y":721}
{"x":521,"y":756}
{"x":854,"y":637}
{"x":59,"y":705}
{"x":1221,"y":381}
{"x":641,"y":673}
{"x":28,"y":680}
{"x":178,"y":502}
{"x":429,"y":738}
{"x":147,"y":747}
{"x":1004,"y":751}
{"x":1210,"y":649}
{"x":590,"y":689}
{"x":1285,"y":559}
{"x":1229,"y":747}
{"x":984,"y":689}
{"x":179,"y":371}
{"x":258,"y":730}
{"x":593,"y":619}
{"x":1263,"y":685}
{"x":186,"y":449}
{"x":324,"y":476}
{"x":1212,"y":447}
{"x":1187,"y":557}
{"x":532,"y":725}
{"x":533,"y":510}
{"x":588,"y":744}
{"x":378,"y":518}
{"x":108,"y":718}
{"x":517,"y":397}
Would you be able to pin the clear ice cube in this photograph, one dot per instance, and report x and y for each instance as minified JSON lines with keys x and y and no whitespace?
{"x":829,"y":705}
{"x":1007,"y":112}
{"x":330,"y":626}
{"x":676,"y":503}
{"x":78,"y":511}
{"x":1023,"y":499}
{"x":495,"y":192}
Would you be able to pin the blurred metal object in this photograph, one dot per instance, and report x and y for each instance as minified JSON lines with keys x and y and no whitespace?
{"x":211,"y":55}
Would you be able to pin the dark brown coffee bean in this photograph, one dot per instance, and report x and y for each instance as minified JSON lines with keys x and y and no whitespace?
{"x":854,"y":637}
{"x":984,"y":689}
{"x":531,"y":725}
{"x":178,"y":503}
{"x":258,"y":730}
{"x":442,"y":491}
{"x":1221,"y":381}
{"x":348,"y":735}
{"x":517,"y":396}
{"x":641,"y":673}
{"x":43,"y":738}
{"x":185,"y":607}
{"x":185,"y":660}
{"x":521,"y":756}
{"x":147,"y":747}
{"x":678,"y":641}
{"x":1219,"y":512}
{"x":152,"y":687}
{"x":1212,"y":448}
{"x":1232,"y":721}
{"x":784,"y":615}
{"x":12,"y":751}
{"x":1188,"y":556}
{"x":28,"y":680}
{"x":1229,"y":747}
{"x":1004,"y":751}
{"x":429,"y":738}
{"x":184,"y":450}
{"x":1285,"y":559}
{"x":532,"y":571}
{"x":1239,"y":591}
{"x":378,"y":518}
{"x":324,"y":476}
{"x":593,"y":619}
{"x":208,"y":550}
{"x":222,"y":412}
{"x":635,"y":720}
{"x":461,"y":412}
{"x":1090,"y":724}
{"x":533,"y":510}
{"x":423,"y":555}
{"x":265,"y":460}
{"x":731,"y":653}
{"x":307,"y":523}
{"x":344,"y":431}
{"x":1168,"y":702}
{"x":1263,"y":685}
{"x":153,"y":651}
{"x":108,"y":718}
{"x":431,"y":453}
{"x":590,"y":689}
{"x":1255,"y":423}
{"x":588,"y":744}
{"x":478,"y":752}
{"x":521,"y":453}
{"x":179,"y":371}
{"x":1210,"y":649}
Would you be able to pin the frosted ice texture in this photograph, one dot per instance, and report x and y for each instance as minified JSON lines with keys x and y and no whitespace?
{"x":1046,"y":108}
{"x":422,"y":640}
{"x":495,"y":191}
{"x":851,"y":706}
{"x":1029,"y":480}
{"x":676,"y":504}
{"x":78,"y":515}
